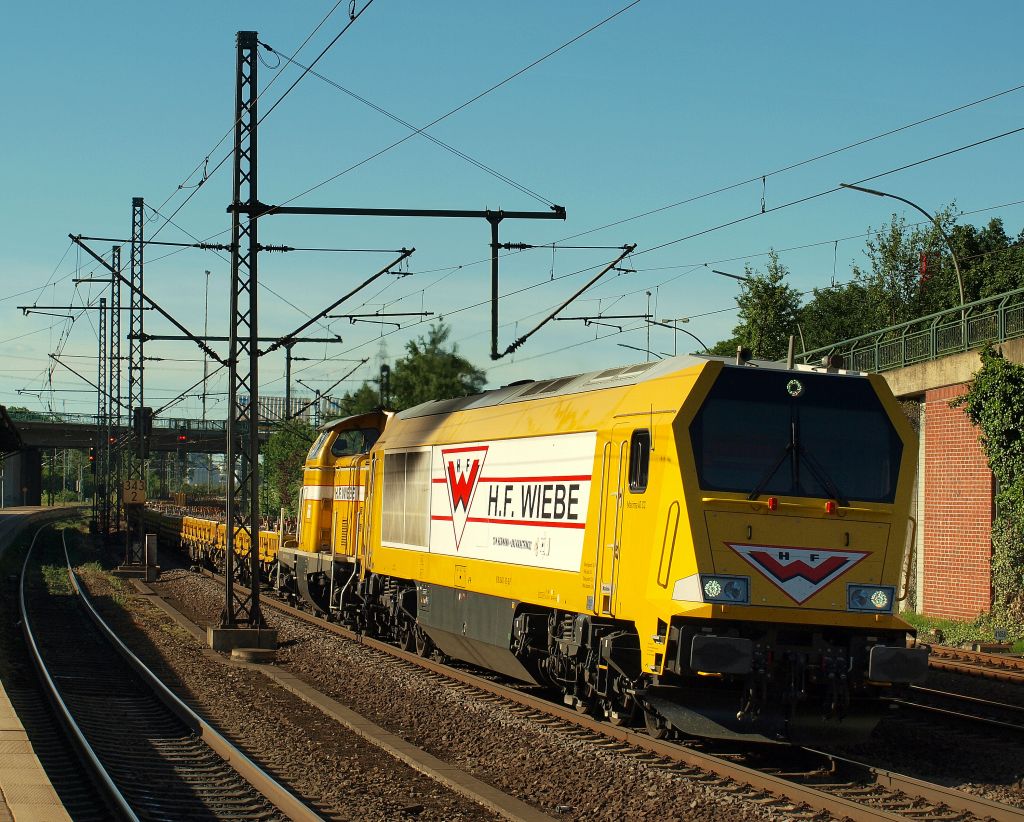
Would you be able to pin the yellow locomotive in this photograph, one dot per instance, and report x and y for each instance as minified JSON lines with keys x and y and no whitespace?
{"x":713,"y":546}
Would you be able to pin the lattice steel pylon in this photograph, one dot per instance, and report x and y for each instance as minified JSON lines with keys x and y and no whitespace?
{"x":242,"y":503}
{"x":135,"y":552}
{"x":102,"y":495}
{"x":114,"y":433}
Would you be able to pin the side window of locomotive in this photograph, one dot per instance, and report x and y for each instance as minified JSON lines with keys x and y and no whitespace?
{"x":347,"y":444}
{"x":639,"y":460}
{"x":406,"y":498}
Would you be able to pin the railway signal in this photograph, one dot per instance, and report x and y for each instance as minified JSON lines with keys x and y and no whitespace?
{"x":142,"y":427}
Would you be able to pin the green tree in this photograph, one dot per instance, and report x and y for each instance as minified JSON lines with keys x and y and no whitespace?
{"x":430,"y":371}
{"x":833,"y":314}
{"x":890,"y":289}
{"x":283,"y":458}
{"x":364,"y":399}
{"x":66,"y":475}
{"x":893,"y":287}
{"x":991,"y":261}
{"x":995,"y":404}
{"x":768,"y":312}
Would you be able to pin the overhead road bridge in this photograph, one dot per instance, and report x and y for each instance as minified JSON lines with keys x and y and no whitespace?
{"x":26,"y":435}
{"x":54,"y":430}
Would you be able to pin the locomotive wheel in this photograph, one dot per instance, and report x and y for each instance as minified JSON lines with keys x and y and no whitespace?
{"x":424,"y":647}
{"x":407,"y":637}
{"x":655,"y":725}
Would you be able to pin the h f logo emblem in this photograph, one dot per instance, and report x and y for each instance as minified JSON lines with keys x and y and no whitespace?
{"x":462,"y":470}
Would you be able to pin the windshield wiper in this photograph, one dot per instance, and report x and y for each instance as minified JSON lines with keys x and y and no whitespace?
{"x":759,"y":488}
{"x":822,"y":476}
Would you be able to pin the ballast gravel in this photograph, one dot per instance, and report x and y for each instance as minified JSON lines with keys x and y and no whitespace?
{"x":987,"y":762}
{"x":565,"y":776}
{"x":340,"y":774}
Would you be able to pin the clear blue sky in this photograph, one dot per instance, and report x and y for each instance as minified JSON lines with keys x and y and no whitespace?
{"x":106,"y":101}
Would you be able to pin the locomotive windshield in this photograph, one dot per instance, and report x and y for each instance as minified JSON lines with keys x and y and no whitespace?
{"x":794,"y":433}
{"x":355,"y":441}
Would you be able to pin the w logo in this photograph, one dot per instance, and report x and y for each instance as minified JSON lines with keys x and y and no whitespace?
{"x":799,"y":572}
{"x":462,"y":470}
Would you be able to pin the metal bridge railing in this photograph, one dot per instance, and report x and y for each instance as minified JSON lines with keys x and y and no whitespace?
{"x":58,"y":417}
{"x":189,"y":423}
{"x":993,"y":319}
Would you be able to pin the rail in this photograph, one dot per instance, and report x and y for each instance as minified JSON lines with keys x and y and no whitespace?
{"x":130,"y":789}
{"x":994,"y":319}
{"x":105,"y":782}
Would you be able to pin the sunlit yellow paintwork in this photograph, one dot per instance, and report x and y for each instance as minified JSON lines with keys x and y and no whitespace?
{"x":329,"y":515}
{"x":643,"y":543}
{"x":314,"y":529}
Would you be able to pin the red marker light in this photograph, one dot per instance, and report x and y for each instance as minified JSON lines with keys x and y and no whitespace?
{"x":830,"y":507}
{"x":773,"y":503}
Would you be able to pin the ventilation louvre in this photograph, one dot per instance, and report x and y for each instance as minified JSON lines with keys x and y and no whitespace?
{"x":537,"y":388}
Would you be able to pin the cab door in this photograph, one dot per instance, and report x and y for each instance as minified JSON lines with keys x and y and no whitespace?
{"x":610,"y":531}
{"x":348,"y":502}
{"x":624,"y":471}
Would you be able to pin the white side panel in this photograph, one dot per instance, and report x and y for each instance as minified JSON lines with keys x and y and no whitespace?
{"x":317,"y":491}
{"x":520,"y":501}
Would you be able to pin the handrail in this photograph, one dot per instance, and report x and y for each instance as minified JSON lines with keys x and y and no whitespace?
{"x":993,"y":319}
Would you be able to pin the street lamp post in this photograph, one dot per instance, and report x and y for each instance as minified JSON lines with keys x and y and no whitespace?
{"x":938,"y":226}
{"x":742,"y":279}
{"x":672,"y":323}
{"x":646,"y":351}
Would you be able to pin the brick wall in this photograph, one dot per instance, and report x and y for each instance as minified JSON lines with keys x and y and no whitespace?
{"x":958,"y":511}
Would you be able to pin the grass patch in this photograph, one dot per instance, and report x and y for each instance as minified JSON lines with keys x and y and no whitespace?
{"x":957,"y":632}
{"x":93,"y":568}
{"x":56,"y":579}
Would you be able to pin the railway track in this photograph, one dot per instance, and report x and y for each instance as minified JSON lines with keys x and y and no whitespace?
{"x":975,"y":663}
{"x":1001,"y":715}
{"x":792,"y":780}
{"x":151,"y":754}
{"x":59,"y":761}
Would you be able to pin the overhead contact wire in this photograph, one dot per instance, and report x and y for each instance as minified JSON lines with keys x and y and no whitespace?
{"x":798,"y":164}
{"x":469,"y":102}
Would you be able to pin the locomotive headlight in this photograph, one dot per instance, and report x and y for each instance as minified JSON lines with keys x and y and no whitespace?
{"x":719,"y":588}
{"x":870,"y":598}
